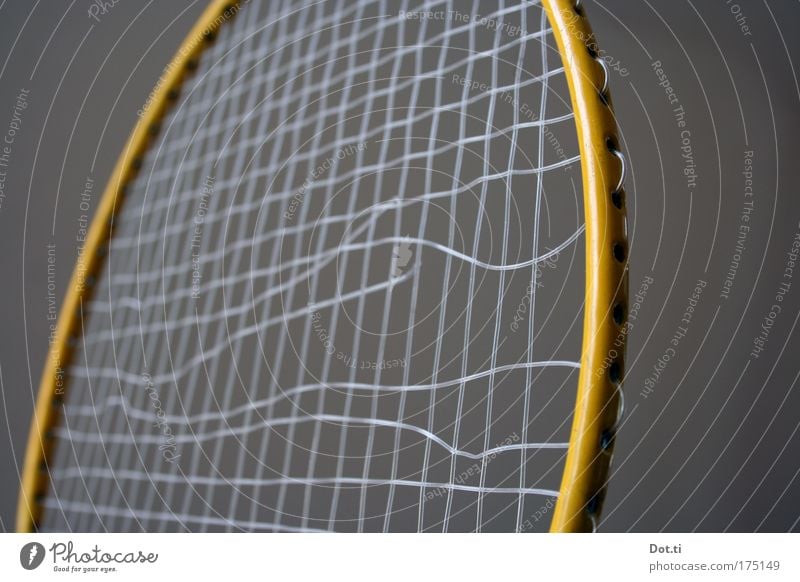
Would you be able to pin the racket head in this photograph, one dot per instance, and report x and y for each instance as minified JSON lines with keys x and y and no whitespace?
{"x":598,"y":397}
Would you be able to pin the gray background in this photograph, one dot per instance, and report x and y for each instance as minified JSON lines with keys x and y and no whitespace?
{"x":714,"y":445}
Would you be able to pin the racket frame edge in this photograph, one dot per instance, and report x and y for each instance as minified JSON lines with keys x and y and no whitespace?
{"x":598,"y":396}
{"x":34,"y":479}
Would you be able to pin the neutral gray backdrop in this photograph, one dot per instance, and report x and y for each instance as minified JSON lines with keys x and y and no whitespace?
{"x":710,"y":439}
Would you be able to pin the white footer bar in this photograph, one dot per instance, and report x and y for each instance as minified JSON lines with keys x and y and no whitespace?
{"x":401,"y":557}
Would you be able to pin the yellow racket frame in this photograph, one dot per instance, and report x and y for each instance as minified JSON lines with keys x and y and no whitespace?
{"x":598,"y":400}
{"x":598,"y":391}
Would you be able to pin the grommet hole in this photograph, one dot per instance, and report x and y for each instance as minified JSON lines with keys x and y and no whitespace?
{"x":619,"y":314}
{"x":593,"y":506}
{"x":619,"y":252}
{"x":606,"y":439}
{"x":615,"y":372}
